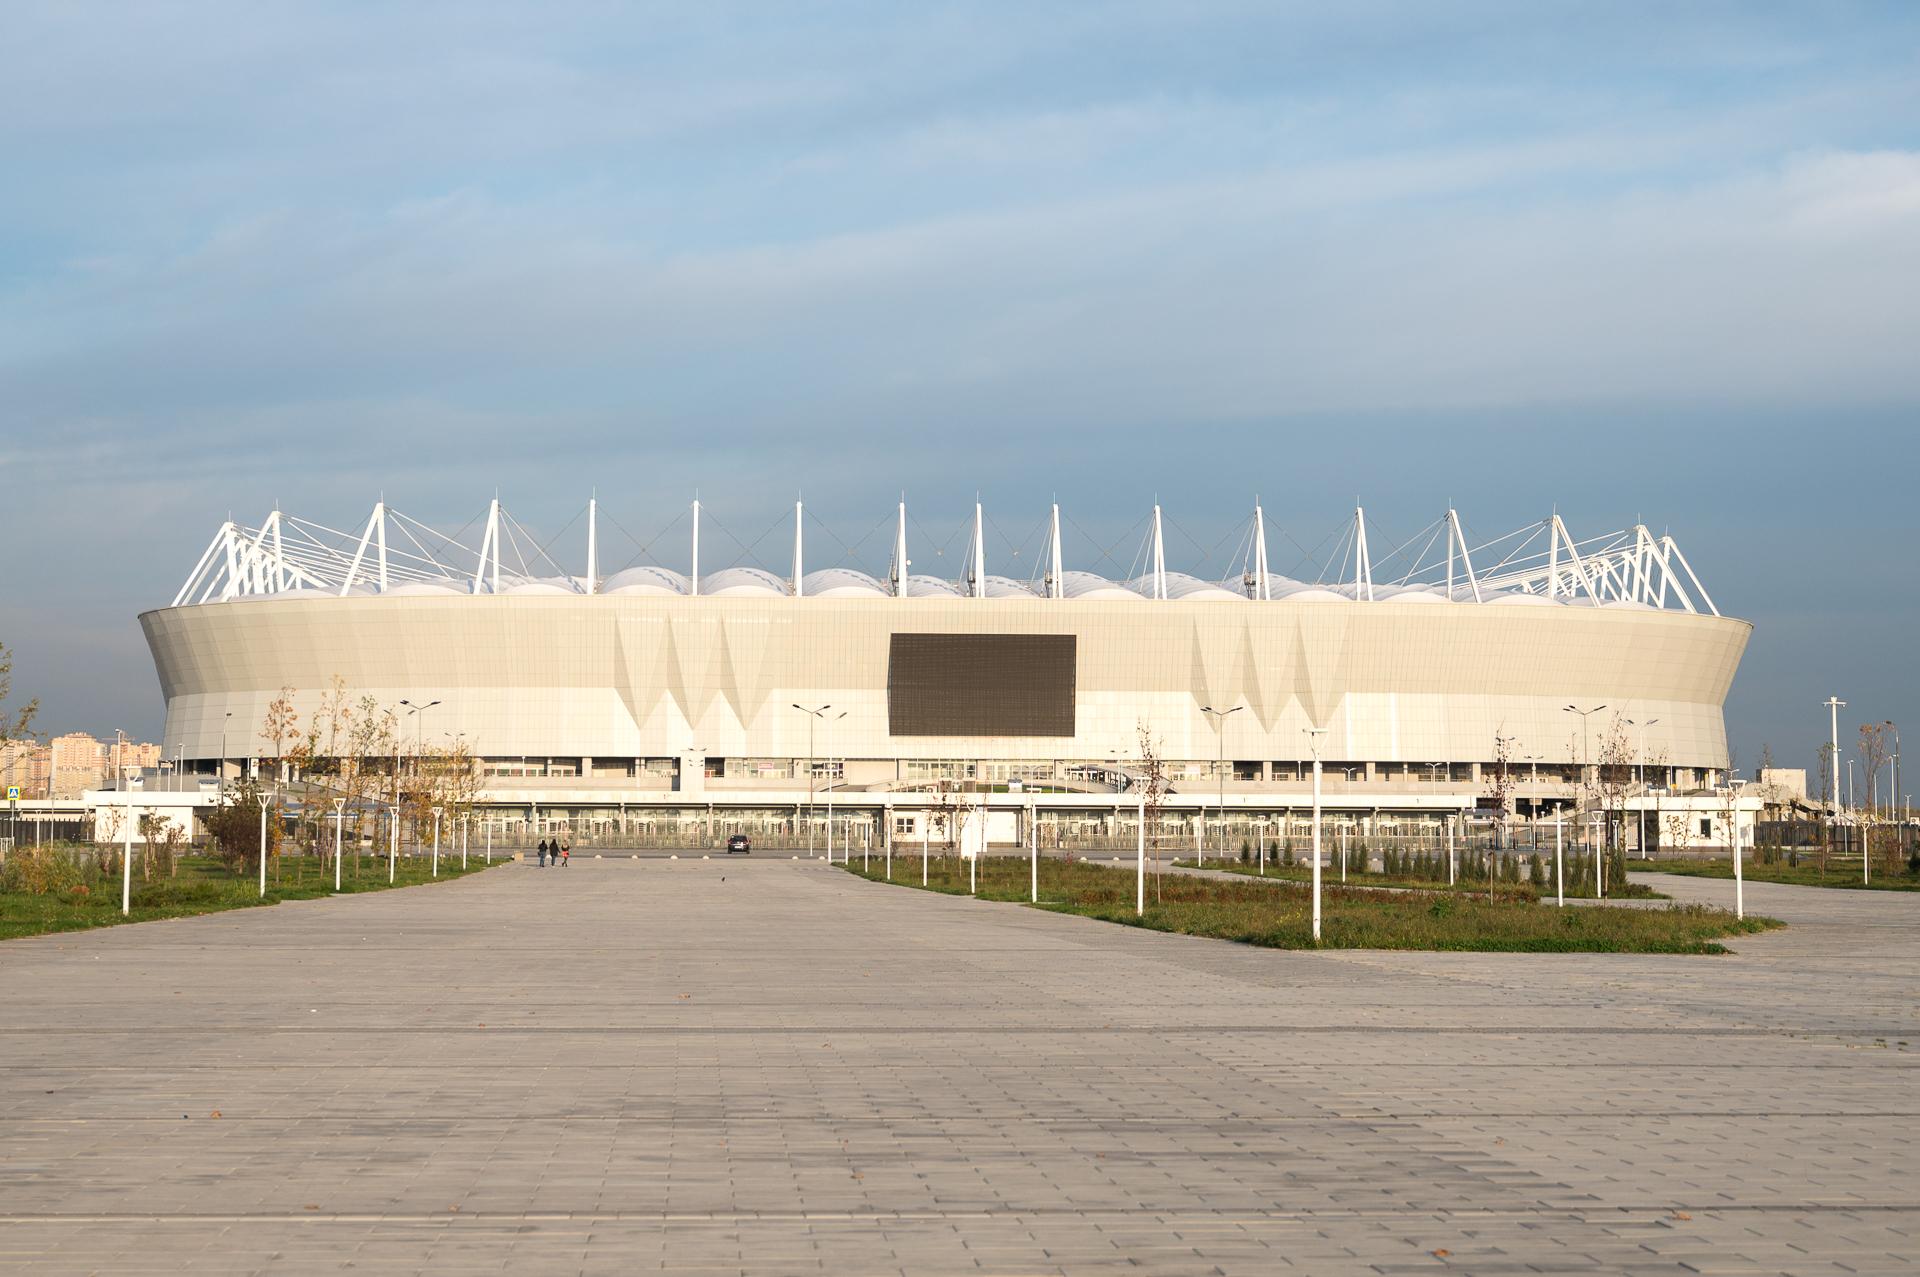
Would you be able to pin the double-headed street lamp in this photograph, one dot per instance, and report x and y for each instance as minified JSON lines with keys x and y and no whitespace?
{"x":814,"y":717}
{"x":1640,"y":773}
{"x":1585,"y":738}
{"x":1219,"y":717}
{"x":419,"y":713}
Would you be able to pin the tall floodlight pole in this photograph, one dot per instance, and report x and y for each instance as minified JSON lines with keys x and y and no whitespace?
{"x":1313,"y":736}
{"x":812,"y":719}
{"x":339,"y":820}
{"x":1599,"y":870}
{"x":1219,"y":717}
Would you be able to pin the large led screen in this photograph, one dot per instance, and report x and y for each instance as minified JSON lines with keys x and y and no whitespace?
{"x":980,"y":685}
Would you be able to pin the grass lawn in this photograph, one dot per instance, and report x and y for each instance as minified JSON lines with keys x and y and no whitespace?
{"x":204,"y":885}
{"x":1497,"y":890}
{"x":1352,"y":918}
{"x":1805,"y":874}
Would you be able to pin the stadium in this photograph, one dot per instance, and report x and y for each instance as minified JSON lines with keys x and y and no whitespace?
{"x":1449,"y":680}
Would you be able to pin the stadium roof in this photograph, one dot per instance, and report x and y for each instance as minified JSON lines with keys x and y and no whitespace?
{"x":1540,"y":565}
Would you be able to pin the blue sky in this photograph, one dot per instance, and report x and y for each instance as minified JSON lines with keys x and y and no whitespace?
{"x":1624,"y":260}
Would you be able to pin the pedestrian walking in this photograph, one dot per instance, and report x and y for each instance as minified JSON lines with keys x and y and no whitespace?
{"x":543,"y":853}
{"x":566,"y":854}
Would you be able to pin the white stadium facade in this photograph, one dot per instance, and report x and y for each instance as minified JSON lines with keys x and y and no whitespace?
{"x":683,"y":705}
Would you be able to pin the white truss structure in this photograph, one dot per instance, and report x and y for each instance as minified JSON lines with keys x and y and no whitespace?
{"x":291,"y":557}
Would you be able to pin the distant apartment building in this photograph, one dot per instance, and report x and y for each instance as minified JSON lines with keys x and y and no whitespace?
{"x":77,"y":762}
{"x":26,"y":765}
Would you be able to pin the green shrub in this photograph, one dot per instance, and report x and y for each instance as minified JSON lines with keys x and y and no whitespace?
{"x":40,"y":871}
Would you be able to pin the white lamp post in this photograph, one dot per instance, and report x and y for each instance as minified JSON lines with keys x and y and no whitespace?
{"x":1733,"y":832}
{"x":1033,"y":854}
{"x":1559,"y":863}
{"x":1313,"y":735}
{"x":339,"y":819}
{"x":1140,"y":862}
{"x":436,"y":842}
{"x":393,"y":842}
{"x":126,"y":859}
{"x":263,"y":844}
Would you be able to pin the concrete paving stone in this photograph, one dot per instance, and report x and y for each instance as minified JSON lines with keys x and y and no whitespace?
{"x":638,"y":1067}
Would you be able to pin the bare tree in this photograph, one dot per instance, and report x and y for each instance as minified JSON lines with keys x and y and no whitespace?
{"x":1153,"y":771}
{"x":15,"y":724}
{"x":1500,"y":784}
{"x":1827,"y":790}
{"x":1613,"y":777}
{"x":1875,"y":749}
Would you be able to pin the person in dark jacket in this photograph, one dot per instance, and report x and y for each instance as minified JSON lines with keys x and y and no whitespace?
{"x":543,"y":853}
{"x":566,"y":854}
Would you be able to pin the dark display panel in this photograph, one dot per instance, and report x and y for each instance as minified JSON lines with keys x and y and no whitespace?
{"x":981,"y":684}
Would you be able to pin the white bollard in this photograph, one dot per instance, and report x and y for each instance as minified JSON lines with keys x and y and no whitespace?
{"x":1140,"y":865}
{"x":1739,"y":881}
{"x":126,"y":862}
{"x":1559,"y":866}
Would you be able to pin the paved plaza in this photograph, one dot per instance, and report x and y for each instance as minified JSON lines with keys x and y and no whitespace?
{"x":769,"y":1066}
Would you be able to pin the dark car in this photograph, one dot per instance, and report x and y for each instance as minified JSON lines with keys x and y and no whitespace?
{"x":738,"y":842}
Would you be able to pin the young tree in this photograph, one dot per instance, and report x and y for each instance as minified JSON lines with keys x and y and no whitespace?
{"x":1153,"y":770}
{"x":17,"y":723}
{"x":1500,"y":783}
{"x":1875,"y":749}
{"x":234,"y":824}
{"x":1613,"y":777}
{"x":1827,"y":790}
{"x":280,"y":725}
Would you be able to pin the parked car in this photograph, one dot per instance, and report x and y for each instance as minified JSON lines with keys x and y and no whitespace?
{"x":738,"y":842}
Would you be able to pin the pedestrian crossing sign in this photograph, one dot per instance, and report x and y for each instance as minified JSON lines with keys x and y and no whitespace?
{"x":13,"y":793}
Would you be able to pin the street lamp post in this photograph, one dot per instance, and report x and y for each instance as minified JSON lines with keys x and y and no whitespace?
{"x":1733,"y":833}
{"x":436,"y":842}
{"x":1313,"y":736}
{"x":1599,"y":864}
{"x":814,"y":716}
{"x":263,"y":844}
{"x":126,"y":856}
{"x":339,"y":819}
{"x":1219,"y":717}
